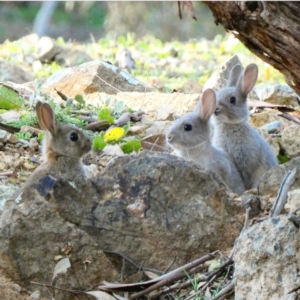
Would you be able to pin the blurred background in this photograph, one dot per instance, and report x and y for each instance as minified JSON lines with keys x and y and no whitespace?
{"x":87,"y":21}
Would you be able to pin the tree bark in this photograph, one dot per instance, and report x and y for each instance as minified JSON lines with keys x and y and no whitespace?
{"x":271,"y":30}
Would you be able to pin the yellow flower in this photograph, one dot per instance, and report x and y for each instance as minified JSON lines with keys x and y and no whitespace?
{"x":114,"y":134}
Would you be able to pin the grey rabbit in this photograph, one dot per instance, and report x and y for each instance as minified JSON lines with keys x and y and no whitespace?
{"x":251,"y":154}
{"x":190,"y":137}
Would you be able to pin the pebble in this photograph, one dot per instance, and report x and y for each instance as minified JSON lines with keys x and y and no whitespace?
{"x":272,"y":127}
{"x":33,"y":143}
{"x":12,"y":139}
{"x":3,"y":136}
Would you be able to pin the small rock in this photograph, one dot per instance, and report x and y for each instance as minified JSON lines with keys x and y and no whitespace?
{"x":113,"y":150}
{"x":3,"y":136}
{"x":33,"y":143}
{"x":35,"y":295}
{"x":12,"y":139}
{"x":14,"y":73}
{"x":25,"y":143}
{"x":272,"y":127}
{"x":290,"y":141}
{"x":10,"y":116}
{"x":293,"y":200}
{"x":220,"y":77}
{"x":280,"y":94}
{"x":29,"y":166}
{"x":47,"y":49}
{"x":137,"y":130}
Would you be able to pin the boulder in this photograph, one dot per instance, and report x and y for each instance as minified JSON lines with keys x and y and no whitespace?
{"x":219,"y":77}
{"x":267,"y":260}
{"x":33,"y":233}
{"x":290,"y":141}
{"x":280,"y":94}
{"x":151,"y":207}
{"x":89,"y":78}
{"x":11,"y":72}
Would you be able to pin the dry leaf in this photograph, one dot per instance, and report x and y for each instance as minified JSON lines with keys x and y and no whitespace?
{"x":101,"y":295}
{"x":61,"y":267}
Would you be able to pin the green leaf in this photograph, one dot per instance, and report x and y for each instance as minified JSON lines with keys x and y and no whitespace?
{"x":104,"y":114}
{"x":119,"y":107}
{"x":98,"y":143}
{"x":126,"y":127}
{"x":131,"y":145}
{"x":80,"y":99}
{"x":40,"y":136}
{"x":282,"y":158}
{"x":9,"y":99}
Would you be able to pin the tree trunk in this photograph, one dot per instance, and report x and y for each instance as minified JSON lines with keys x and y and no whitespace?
{"x":271,"y":30}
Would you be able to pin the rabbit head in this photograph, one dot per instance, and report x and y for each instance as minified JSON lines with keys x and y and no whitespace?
{"x":60,"y":139}
{"x":192,"y":129}
{"x":231,"y":100}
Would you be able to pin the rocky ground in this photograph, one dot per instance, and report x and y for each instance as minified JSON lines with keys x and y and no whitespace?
{"x":166,"y":82}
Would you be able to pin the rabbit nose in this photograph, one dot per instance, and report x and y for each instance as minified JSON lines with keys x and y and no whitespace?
{"x":169,"y":137}
{"x":217,"y":111}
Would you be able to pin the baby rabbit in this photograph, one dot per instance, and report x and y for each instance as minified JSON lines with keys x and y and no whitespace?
{"x":189,"y":136}
{"x":63,"y":147}
{"x":233,"y":133}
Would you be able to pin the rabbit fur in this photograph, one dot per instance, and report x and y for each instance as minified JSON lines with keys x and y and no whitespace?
{"x":190,"y":137}
{"x":251,"y":154}
{"x":63,"y":147}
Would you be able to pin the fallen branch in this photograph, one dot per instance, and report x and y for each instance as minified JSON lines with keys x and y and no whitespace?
{"x":287,"y":180}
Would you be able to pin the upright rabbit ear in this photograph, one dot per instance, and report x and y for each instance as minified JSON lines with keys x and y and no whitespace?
{"x":207,"y":104}
{"x":234,"y":75}
{"x":46,"y":117}
{"x":248,"y":80}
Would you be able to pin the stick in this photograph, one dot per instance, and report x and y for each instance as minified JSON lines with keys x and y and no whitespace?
{"x":287,"y":180}
{"x":172,"y":276}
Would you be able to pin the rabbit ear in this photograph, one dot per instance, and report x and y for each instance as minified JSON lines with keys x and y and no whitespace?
{"x":234,"y":75}
{"x":46,"y":117}
{"x":207,"y":104}
{"x":248,"y":80}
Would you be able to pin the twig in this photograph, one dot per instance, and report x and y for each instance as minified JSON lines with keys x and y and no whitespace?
{"x":287,"y":180}
{"x":172,"y":276}
{"x":108,"y":84}
{"x":170,"y":266}
{"x":56,"y":288}
{"x":224,"y":291}
{"x":138,"y":267}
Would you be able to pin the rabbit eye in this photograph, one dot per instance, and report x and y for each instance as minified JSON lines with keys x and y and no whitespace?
{"x":232,"y":100}
{"x":188,"y":127}
{"x":73,"y":136}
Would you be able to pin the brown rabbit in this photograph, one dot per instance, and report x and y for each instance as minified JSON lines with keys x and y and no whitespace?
{"x":63,"y":148}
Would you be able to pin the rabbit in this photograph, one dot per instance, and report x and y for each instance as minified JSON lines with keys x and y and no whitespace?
{"x":63,"y":147}
{"x":233,"y":133}
{"x":190,"y":137}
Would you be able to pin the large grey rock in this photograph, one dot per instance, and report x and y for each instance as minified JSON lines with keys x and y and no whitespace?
{"x":267,"y":261}
{"x":151,"y":207}
{"x":92,"y":77}
{"x":290,"y":141}
{"x":271,"y":180}
{"x":33,"y":232}
{"x":280,"y":94}
{"x":219,"y":78}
